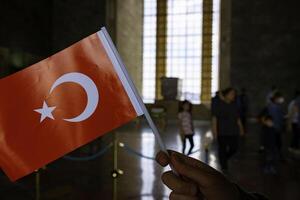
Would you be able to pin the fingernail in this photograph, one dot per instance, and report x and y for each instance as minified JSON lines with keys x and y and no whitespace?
{"x":170,"y":152}
{"x":157,"y":156}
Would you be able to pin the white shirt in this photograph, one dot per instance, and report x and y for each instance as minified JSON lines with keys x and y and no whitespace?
{"x":185,"y":119}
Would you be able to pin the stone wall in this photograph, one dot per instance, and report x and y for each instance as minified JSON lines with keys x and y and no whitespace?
{"x":25,"y":34}
{"x":42,"y":28}
{"x":129,"y":20}
{"x":265,"y":41}
{"x":225,"y":44}
{"x":25,"y":26}
{"x":73,"y":20}
{"x":33,"y":31}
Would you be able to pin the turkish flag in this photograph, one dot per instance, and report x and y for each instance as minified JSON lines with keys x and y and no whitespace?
{"x":61,"y":103}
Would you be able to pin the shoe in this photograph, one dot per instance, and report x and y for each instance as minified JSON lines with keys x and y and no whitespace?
{"x":190,"y":152}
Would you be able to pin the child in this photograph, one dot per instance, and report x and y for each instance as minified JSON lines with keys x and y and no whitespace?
{"x":186,"y":125}
{"x":271,"y":150}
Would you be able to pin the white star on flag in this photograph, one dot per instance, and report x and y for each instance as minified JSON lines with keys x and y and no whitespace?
{"x":46,"y":111}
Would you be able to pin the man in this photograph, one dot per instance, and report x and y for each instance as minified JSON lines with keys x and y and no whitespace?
{"x":275,"y":110}
{"x":227,"y":126}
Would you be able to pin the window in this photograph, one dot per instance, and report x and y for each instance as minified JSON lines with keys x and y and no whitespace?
{"x":149,"y":51}
{"x":184,"y":46}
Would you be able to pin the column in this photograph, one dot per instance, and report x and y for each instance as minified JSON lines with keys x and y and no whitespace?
{"x":206,"y":74}
{"x":161,"y":45}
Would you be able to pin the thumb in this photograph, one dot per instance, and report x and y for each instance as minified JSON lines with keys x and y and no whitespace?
{"x":190,"y":168}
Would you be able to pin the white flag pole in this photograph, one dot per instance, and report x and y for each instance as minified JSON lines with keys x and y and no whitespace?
{"x":107,"y":41}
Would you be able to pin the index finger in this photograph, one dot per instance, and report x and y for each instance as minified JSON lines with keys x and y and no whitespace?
{"x":192,"y":162}
{"x":194,"y":170}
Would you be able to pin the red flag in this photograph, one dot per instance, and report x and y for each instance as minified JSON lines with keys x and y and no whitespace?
{"x":62,"y":103}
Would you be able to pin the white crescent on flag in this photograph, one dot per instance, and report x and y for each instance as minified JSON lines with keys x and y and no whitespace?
{"x":87,"y":84}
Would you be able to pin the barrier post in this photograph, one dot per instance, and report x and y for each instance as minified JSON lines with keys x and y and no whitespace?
{"x":116,"y":171}
{"x":37,"y":185}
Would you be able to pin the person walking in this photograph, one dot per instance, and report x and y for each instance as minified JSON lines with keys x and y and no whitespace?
{"x":274,"y":109}
{"x":227,"y":126}
{"x":186,"y":125}
{"x":271,"y":150}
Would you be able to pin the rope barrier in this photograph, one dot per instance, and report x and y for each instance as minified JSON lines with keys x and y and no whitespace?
{"x":92,"y":157}
{"x":134,"y":152}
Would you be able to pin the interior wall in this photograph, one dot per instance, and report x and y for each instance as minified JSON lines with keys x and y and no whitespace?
{"x":33,"y":31}
{"x":129,"y":29}
{"x":25,"y":36}
{"x":26,"y":26}
{"x":225,"y":44}
{"x":74,"y":20}
{"x":265,"y":41}
{"x":42,"y":28}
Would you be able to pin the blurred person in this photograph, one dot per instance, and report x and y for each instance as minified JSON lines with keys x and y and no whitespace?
{"x":196,"y":181}
{"x":226,"y":127}
{"x":274,"y":109}
{"x":214,"y":101}
{"x":260,"y":118}
{"x":186,"y":125}
{"x":271,"y":93}
{"x":271,"y":150}
{"x":293,"y":122}
{"x":242,"y":101}
{"x":297,"y":103}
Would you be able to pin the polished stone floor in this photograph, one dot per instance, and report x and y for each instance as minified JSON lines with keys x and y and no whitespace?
{"x":89,"y":175}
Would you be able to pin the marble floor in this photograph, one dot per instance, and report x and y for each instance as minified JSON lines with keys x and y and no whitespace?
{"x":86,"y":174}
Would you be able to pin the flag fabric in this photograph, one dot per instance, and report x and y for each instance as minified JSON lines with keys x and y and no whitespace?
{"x":61,"y":103}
